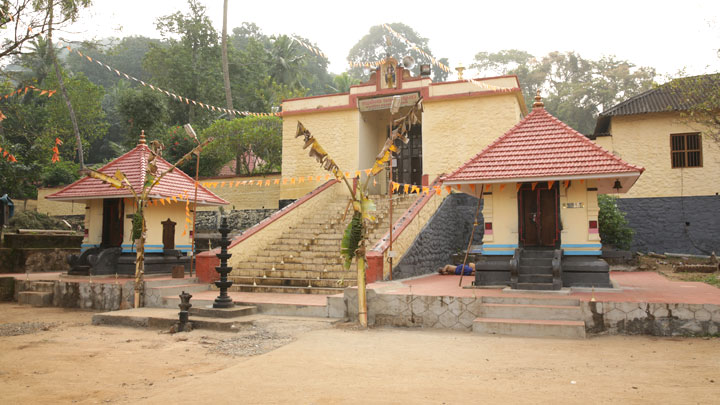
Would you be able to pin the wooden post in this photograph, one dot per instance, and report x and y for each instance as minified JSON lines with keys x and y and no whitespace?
{"x":139,"y":263}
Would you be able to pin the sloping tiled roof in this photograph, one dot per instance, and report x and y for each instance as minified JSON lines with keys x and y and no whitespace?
{"x":676,"y":95}
{"x":540,"y":146}
{"x":133,"y":165}
{"x":250,"y":159}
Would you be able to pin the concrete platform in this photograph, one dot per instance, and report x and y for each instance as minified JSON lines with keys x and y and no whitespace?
{"x":164,"y":318}
{"x":530,"y":328}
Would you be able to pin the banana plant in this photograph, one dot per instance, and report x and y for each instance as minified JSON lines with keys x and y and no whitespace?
{"x":153,"y":176}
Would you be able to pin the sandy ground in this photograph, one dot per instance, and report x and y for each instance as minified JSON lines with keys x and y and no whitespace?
{"x":61,"y":358}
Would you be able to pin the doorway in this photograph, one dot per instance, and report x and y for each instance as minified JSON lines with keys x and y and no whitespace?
{"x":409,"y":169}
{"x":112,"y":230}
{"x":538,"y":213}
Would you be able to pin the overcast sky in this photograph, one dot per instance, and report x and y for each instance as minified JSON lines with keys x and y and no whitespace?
{"x":667,"y":35}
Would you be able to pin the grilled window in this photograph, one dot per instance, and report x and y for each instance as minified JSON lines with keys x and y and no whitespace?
{"x":686,"y":150}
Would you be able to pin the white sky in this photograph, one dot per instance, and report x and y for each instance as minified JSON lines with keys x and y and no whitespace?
{"x":667,"y":35}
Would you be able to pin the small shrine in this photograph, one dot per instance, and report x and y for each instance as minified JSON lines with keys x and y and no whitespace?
{"x":539,"y":185}
{"x":108,"y":247}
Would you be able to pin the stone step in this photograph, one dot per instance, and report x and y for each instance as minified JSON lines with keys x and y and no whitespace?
{"x":309,"y":274}
{"x":534,"y":286}
{"x":42,"y":286}
{"x":150,"y":282}
{"x":286,"y":290}
{"x":535,"y":269}
{"x":209,"y":312}
{"x":269,"y":266}
{"x":35,"y":298}
{"x":528,"y":311}
{"x":531,"y":301}
{"x":527,"y":261}
{"x":154,"y":297}
{"x":542,"y":253}
{"x":295,"y":282}
{"x":530,"y":328}
{"x":535,"y":278}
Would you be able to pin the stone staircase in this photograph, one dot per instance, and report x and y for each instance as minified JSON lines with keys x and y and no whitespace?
{"x":531,"y":317}
{"x":306,"y":259}
{"x":164,"y":293}
{"x":535,"y":270}
{"x":39,"y":294}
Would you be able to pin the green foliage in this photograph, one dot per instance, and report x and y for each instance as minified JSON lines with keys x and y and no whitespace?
{"x":574,"y":89}
{"x":351,"y":238}
{"x":177,"y":143}
{"x":142,"y":109}
{"x":34,"y":220}
{"x":251,"y":140}
{"x":137,"y":221}
{"x":60,"y":173}
{"x":614,"y":229}
{"x":342,"y":82}
{"x":374,"y":47}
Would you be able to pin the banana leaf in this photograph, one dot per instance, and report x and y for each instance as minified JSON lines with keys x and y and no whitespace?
{"x":351,"y":239}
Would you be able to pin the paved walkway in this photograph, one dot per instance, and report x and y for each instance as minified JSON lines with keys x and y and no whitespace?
{"x":643,"y":286}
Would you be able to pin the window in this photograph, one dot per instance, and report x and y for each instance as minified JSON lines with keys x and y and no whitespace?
{"x":686,"y":150}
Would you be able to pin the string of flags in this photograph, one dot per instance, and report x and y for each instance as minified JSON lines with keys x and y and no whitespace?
{"x":27,"y":88}
{"x":5,"y":154}
{"x":310,"y":48}
{"x":176,"y":97}
{"x":318,"y":52}
{"x":56,"y":152}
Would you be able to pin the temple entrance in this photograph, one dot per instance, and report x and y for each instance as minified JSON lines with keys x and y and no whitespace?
{"x":539,"y":225}
{"x":408,"y":168}
{"x":112,"y":231}
{"x":168,"y":237}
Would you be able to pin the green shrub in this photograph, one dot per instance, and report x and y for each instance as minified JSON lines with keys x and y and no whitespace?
{"x":35,"y":220}
{"x":614,"y":229}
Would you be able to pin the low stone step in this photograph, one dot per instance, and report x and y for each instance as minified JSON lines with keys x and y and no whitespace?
{"x":530,"y":311}
{"x":154,"y":297}
{"x":308,"y":274}
{"x":295,"y":282}
{"x":35,"y":298}
{"x":538,"y":253}
{"x":209,"y":312}
{"x":530,"y":328}
{"x":43,"y":286}
{"x":531,"y":301}
{"x":151,"y":282}
{"x":534,"y":286}
{"x":269,"y":266}
{"x":527,"y":261}
{"x":535,"y":278}
{"x":285,"y":290}
{"x":535,"y":269}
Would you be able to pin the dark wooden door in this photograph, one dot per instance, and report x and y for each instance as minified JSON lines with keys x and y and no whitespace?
{"x":538,"y":216}
{"x":112,"y":231}
{"x":168,"y":234}
{"x":409,"y":158}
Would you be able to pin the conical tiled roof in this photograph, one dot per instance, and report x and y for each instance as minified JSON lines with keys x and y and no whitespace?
{"x":540,"y":147}
{"x":133,"y":165}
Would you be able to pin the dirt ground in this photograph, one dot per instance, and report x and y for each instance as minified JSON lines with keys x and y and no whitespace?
{"x":62,"y":358}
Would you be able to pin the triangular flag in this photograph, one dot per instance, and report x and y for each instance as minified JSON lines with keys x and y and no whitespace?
{"x":438,"y":190}
{"x":472,"y":187}
{"x":301,"y":179}
{"x":406,"y":187}
{"x":426,"y":190}
{"x":567,"y":183}
{"x":367,"y":172}
{"x":259,"y":183}
{"x":292,"y":180}
{"x":487,"y":187}
{"x":457,"y":186}
{"x":550,"y":184}
{"x":448,"y":189}
{"x":517,"y":186}
{"x":582,"y":181}
{"x":415,"y":189}
{"x":502,"y":187}
{"x":534,"y":185}
{"x":277,"y":181}
{"x":267,"y":183}
{"x":163,"y":202}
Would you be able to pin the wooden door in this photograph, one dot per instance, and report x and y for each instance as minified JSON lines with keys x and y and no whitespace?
{"x":409,"y":158}
{"x":112,"y":231}
{"x":538,"y":216}
{"x":168,"y":234}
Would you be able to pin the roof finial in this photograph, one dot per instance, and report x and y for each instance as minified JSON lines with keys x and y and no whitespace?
{"x":142,"y":138}
{"x":538,"y":100}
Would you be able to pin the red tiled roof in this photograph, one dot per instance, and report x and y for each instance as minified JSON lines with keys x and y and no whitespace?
{"x":133,"y":165}
{"x":250,"y":159}
{"x":540,"y":146}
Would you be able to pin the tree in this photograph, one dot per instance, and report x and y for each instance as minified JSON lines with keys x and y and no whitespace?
{"x":287,"y":63}
{"x":699,"y":97}
{"x":379,"y":44}
{"x":342,"y":82}
{"x":142,"y":109}
{"x":190,"y":65}
{"x":575,"y":89}
{"x":614,"y":229}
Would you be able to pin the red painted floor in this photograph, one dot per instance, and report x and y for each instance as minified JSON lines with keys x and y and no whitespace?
{"x":634,"y":287}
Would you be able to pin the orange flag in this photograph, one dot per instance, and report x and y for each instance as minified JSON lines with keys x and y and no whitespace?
{"x":534,"y":185}
{"x":277,"y":181}
{"x":406,"y":187}
{"x":367,"y":172}
{"x":472,"y":187}
{"x":502,"y":187}
{"x":487,"y":187}
{"x":517,"y":186}
{"x":438,"y":190}
{"x":550,"y":184}
{"x":457,"y":186}
{"x":448,"y":189}
{"x":567,"y":183}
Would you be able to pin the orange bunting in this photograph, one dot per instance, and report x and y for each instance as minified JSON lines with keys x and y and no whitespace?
{"x":502,"y":187}
{"x":367,"y":172}
{"x":567,"y":183}
{"x":550,"y":184}
{"x":162,"y":202}
{"x":472,"y":187}
{"x":301,"y":179}
{"x":488,"y":187}
{"x":406,"y":188}
{"x":534,"y":185}
{"x":267,"y":183}
{"x":449,"y":190}
{"x":517,"y":186}
{"x":438,"y":190}
{"x":426,"y":190}
{"x":277,"y":181}
{"x":457,"y":186}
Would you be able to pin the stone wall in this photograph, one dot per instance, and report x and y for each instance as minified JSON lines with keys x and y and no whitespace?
{"x":674,"y":224}
{"x":35,"y":260}
{"x":657,"y":319}
{"x":446,"y":233}
{"x":90,"y":296}
{"x":238,"y":220}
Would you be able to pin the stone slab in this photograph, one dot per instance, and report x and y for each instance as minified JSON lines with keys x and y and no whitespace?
{"x":208,"y":311}
{"x":530,"y":328}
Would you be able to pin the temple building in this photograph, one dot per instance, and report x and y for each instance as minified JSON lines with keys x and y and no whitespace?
{"x":108,"y":247}
{"x":539,"y":184}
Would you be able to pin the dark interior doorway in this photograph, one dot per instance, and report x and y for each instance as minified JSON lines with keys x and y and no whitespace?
{"x":168,"y":234}
{"x":538,"y":213}
{"x":409,"y":158}
{"x":112,"y":230}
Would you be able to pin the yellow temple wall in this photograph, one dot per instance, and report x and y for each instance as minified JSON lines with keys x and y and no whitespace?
{"x":336,"y":131}
{"x":244,"y":197}
{"x":644,"y":140}
{"x":501,"y":209}
{"x":53,"y":208}
{"x":575,"y":236}
{"x":455,"y":130}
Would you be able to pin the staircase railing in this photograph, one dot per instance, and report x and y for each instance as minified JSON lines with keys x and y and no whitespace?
{"x":514,"y":267}
{"x":376,"y":257}
{"x":557,"y":269}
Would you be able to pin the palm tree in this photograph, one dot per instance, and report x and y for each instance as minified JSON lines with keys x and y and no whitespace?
{"x":287,"y":63}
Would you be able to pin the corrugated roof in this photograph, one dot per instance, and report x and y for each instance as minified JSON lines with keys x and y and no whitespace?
{"x":676,"y":95}
{"x":540,"y":146}
{"x":133,"y":165}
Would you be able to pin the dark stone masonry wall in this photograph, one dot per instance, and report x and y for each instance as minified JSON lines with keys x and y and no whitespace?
{"x":674,"y":224}
{"x":447,"y":232}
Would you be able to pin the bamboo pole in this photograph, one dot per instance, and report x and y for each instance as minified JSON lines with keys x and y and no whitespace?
{"x":472,"y":234}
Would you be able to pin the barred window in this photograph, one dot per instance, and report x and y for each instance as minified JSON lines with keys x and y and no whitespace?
{"x":686,"y":150}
